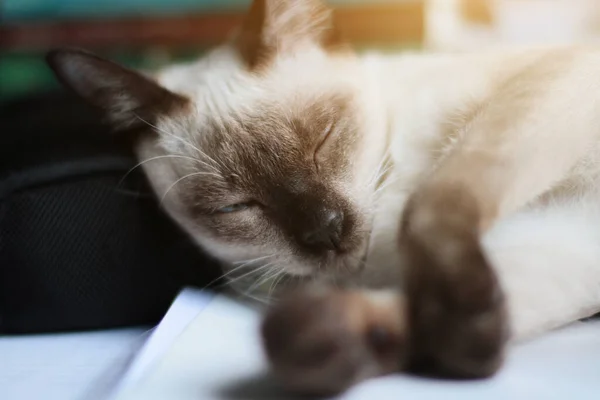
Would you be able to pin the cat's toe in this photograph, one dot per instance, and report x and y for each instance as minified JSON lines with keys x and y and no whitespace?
{"x":321,"y":341}
{"x":461,"y":345}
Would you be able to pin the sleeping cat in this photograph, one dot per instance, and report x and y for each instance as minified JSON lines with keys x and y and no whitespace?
{"x":420,"y":210}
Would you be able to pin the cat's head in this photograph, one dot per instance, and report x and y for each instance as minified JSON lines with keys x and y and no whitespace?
{"x":268,"y":148}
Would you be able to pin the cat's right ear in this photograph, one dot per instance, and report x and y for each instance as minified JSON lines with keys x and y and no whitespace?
{"x":127,"y":98}
{"x":278,"y":26}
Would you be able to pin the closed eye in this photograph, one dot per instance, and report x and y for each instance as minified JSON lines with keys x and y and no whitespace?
{"x":237,"y":207}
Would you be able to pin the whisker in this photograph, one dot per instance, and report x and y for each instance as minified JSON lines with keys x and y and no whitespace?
{"x":159,"y":158}
{"x":254,"y":259}
{"x":156,"y":128}
{"x":378,"y":170}
{"x":253,"y":271}
{"x":256,"y":298}
{"x":378,"y":173}
{"x":182,"y":140}
{"x":264,"y":278}
{"x":258,"y":281}
{"x":383,"y":172}
{"x":278,"y":272}
{"x":185,"y":177}
{"x":276,"y":282}
{"x":237,"y":268}
{"x":385,"y":185}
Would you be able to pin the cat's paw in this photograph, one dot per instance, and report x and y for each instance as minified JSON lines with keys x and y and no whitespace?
{"x":455,"y":332}
{"x":322,"y":341}
{"x":456,"y":308}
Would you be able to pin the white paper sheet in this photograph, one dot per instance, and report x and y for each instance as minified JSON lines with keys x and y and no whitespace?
{"x":73,"y":366}
{"x":187,"y":306}
{"x":218,"y":356}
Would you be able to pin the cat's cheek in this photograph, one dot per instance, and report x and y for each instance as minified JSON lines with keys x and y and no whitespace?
{"x":244,"y":236}
{"x":247,"y":226}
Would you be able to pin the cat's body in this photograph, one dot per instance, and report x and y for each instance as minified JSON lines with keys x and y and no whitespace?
{"x":469,"y":181}
{"x":548,"y":223}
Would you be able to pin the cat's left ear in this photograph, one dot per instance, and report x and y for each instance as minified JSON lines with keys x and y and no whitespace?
{"x":278,"y":26}
{"x":127,"y":98}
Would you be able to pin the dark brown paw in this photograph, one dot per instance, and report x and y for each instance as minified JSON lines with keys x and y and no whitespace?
{"x":321,"y":341}
{"x":455,"y":336}
{"x":456,"y":307}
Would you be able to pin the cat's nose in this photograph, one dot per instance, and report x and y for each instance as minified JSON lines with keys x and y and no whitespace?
{"x":327,"y":234}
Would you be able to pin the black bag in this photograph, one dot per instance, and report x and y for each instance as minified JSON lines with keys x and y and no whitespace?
{"x":78,"y":248}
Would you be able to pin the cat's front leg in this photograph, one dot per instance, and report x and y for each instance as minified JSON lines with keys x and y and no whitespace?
{"x":456,"y":308}
{"x":515,"y":147}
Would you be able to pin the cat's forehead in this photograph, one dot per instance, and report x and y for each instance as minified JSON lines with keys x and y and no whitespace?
{"x":301,"y":90}
{"x":220,"y":83}
{"x":271,"y":133}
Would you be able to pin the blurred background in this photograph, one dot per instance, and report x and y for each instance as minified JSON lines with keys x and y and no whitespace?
{"x":149,"y":33}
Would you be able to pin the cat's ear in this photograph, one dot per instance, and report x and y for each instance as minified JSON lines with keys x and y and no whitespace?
{"x":273,"y":26}
{"x":127,"y":98}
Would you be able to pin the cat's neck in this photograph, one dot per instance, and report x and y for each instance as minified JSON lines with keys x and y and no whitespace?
{"x":421,"y":89}
{"x":428,"y":98}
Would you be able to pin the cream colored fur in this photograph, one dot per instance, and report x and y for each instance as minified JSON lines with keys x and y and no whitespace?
{"x":532,"y":116}
{"x":547,"y":251}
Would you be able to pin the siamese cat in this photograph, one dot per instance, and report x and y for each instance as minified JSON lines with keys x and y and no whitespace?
{"x":423,"y":210}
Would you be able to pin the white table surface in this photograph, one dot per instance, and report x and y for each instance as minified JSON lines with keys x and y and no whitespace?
{"x":208,"y":348}
{"x":90,"y":366}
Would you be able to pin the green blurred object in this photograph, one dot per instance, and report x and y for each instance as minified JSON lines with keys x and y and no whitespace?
{"x":24,"y":73}
{"x":35,"y":10}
